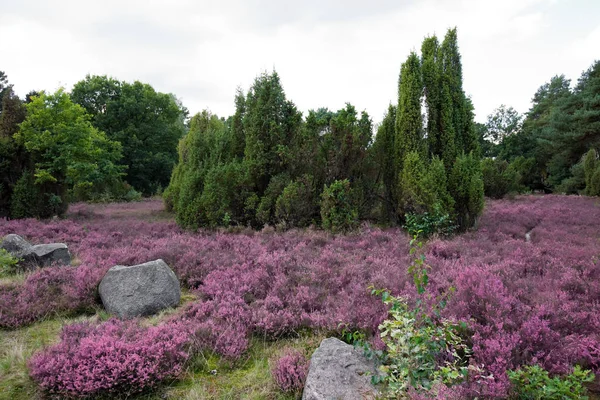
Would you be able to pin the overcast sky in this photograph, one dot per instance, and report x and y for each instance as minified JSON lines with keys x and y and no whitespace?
{"x":327,"y":52}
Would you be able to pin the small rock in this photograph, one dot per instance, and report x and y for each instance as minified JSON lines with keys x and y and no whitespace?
{"x":54,"y":253}
{"x":139,"y":290}
{"x":339,"y":371}
{"x":41,"y":255}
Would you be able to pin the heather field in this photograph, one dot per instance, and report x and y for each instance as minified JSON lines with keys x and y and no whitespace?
{"x":527,"y":283}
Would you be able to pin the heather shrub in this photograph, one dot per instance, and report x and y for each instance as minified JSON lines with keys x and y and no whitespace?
{"x":46,"y":292}
{"x":533,"y":383}
{"x":115,"y":359}
{"x":338,"y":214}
{"x":290,"y":370}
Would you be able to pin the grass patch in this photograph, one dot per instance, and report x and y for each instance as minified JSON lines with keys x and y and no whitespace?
{"x":15,"y":349}
{"x":249,"y":378}
{"x":208,"y":376}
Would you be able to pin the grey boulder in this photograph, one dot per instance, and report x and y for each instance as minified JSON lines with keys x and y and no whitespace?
{"x":41,"y":255}
{"x":54,"y":253}
{"x":139,"y":290}
{"x":338,"y":371}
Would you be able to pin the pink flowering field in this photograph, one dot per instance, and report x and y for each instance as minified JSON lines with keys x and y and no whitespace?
{"x":250,"y":297}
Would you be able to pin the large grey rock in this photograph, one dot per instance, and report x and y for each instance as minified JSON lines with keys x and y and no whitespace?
{"x":41,"y":255}
{"x":139,"y":290}
{"x":54,"y":253}
{"x":338,"y":371}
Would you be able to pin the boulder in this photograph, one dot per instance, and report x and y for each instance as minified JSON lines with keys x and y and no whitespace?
{"x":41,"y":255}
{"x":339,"y":371}
{"x":15,"y":244}
{"x":54,"y":253}
{"x":139,"y":290}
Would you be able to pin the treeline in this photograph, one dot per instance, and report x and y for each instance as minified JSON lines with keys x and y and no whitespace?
{"x":553,"y":147}
{"x":267,"y":165}
{"x":106,"y":140}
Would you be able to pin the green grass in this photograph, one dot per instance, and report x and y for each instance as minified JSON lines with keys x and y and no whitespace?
{"x":15,"y":349}
{"x":247,"y":378}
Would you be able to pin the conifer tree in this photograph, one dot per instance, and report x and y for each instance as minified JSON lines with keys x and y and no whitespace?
{"x":409,"y":122}
{"x":270,"y":122}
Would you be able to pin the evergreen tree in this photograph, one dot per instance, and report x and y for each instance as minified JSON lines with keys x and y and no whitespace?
{"x":409,"y":122}
{"x":238,"y":136}
{"x":384,"y":149}
{"x":430,"y":61}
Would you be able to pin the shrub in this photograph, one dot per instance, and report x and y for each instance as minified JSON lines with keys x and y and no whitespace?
{"x":8,"y":264}
{"x":290,"y":371}
{"x":48,"y":291}
{"x":296,"y":205}
{"x":416,"y":196}
{"x":466,"y":188}
{"x":426,"y":224}
{"x":594,"y":189}
{"x":533,"y":383}
{"x":422,"y":349}
{"x":114,"y":359}
{"x":338,"y":214}
{"x":265,"y":212}
{"x":499,"y":178}
{"x":590,"y":166}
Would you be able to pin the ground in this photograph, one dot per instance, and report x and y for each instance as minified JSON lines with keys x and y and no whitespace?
{"x":527,"y":301}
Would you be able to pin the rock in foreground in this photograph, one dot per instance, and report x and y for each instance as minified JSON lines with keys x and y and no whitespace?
{"x":41,"y":255}
{"x":139,"y":290}
{"x":339,"y":371}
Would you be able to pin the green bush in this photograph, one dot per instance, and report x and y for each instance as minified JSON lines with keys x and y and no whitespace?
{"x":575,"y":183}
{"x":265,"y":213}
{"x":499,"y":178}
{"x":8,"y":264}
{"x":416,"y":195}
{"x":224,"y":198}
{"x":590,"y":165}
{"x":534,"y":383}
{"x":32,"y":200}
{"x":594,"y":189}
{"x":296,"y":205}
{"x":338,"y":214}
{"x":466,"y":188}
{"x":426,"y":224}
{"x":417,"y":339}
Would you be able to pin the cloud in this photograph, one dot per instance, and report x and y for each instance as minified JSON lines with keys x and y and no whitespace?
{"x":326,"y":52}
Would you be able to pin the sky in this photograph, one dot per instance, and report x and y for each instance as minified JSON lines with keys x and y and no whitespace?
{"x":326,"y":52}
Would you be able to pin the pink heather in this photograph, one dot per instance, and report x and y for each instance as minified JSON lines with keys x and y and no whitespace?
{"x":526,"y":302}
